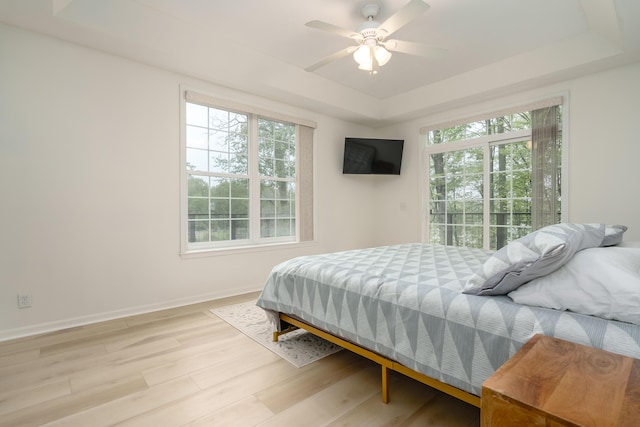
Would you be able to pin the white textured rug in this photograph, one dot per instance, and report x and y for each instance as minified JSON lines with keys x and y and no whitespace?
{"x":298,"y":347}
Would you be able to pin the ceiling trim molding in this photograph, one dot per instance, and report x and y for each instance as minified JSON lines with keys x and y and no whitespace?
{"x":602,"y":19}
{"x":58,"y":6}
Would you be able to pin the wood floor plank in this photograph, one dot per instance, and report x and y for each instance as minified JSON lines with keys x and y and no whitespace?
{"x":48,"y":370}
{"x":316,"y":377}
{"x":164,"y":328}
{"x":19,"y":357}
{"x":202,"y":307}
{"x":445,"y":411}
{"x":194,"y":406}
{"x":126,"y":362}
{"x":411,"y":404}
{"x":216,"y":330}
{"x":129,"y":406}
{"x":51,"y":410}
{"x":63,"y":336}
{"x":193,"y":360}
{"x":247,"y":412}
{"x":14,"y":400}
{"x":407,"y":396}
{"x":43,"y":363}
{"x":332,"y":402}
{"x":227,"y":366}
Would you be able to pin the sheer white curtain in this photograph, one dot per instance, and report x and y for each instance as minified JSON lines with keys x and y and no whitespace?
{"x":305,"y":183}
{"x":545,"y":171}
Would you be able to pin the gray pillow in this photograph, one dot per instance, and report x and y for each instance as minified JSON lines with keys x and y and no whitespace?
{"x":613,"y":235}
{"x":534,"y":255}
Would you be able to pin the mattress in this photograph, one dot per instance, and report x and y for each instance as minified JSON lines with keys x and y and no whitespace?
{"x":405,"y":303}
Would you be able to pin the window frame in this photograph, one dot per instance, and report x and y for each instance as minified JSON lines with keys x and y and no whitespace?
{"x":486,"y":142}
{"x":255,"y":241}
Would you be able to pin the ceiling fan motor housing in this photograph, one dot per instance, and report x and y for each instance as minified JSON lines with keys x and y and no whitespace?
{"x":369,"y":29}
{"x":370,"y":10}
{"x":369,"y":35}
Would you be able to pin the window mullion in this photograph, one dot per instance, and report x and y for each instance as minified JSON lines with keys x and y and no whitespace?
{"x":254,"y":180}
{"x":496,"y":138}
{"x":486,"y":202}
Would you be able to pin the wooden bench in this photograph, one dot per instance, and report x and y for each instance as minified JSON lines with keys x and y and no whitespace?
{"x":551,"y":382}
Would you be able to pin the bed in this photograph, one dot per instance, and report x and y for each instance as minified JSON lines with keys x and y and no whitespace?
{"x":442,"y":315}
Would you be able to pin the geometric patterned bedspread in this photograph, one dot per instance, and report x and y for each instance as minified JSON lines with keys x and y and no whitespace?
{"x":405,"y":302}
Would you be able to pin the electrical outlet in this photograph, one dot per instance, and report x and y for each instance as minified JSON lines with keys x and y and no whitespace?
{"x":24,"y":300}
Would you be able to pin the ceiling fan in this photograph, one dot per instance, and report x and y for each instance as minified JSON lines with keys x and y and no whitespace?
{"x":373,"y":50}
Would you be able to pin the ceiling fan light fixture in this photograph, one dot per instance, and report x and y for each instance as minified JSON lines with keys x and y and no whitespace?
{"x":363,"y":56}
{"x":382,"y":55}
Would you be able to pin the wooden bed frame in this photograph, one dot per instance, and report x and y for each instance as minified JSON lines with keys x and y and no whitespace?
{"x":385,"y":363}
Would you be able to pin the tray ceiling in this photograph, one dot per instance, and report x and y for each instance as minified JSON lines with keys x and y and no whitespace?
{"x":494,"y":46}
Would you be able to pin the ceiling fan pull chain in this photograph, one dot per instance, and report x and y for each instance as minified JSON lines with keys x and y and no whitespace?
{"x":374,"y":61}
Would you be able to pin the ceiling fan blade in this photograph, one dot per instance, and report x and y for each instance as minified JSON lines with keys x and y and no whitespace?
{"x":340,"y":54}
{"x":417,"y":49}
{"x":409,"y":12}
{"x":319,"y":25}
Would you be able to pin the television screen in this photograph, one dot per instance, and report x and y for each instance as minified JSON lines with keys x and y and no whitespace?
{"x":372,"y":156}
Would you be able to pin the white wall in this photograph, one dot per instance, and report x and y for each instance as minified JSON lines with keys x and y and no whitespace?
{"x":605,"y":149}
{"x":604,"y":154}
{"x":89,"y":187}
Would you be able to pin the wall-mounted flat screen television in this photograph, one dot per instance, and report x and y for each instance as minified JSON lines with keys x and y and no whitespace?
{"x":372,"y":156}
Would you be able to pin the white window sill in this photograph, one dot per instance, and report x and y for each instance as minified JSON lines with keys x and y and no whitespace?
{"x":212,"y":252}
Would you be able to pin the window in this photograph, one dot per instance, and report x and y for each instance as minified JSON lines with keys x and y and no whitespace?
{"x":277,"y":167}
{"x":242,"y":175}
{"x":493,"y":180}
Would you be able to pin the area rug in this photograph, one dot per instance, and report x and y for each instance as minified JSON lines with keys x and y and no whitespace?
{"x":298,"y":347}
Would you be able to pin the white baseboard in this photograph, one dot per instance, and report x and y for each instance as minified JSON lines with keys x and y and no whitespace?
{"x":74,"y":322}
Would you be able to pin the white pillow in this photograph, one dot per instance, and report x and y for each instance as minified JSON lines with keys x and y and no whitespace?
{"x":602,"y":282}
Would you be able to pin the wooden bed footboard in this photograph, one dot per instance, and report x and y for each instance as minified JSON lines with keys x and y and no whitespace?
{"x":385,"y":363}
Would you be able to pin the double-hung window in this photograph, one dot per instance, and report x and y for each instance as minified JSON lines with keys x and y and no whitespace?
{"x":493,"y":180}
{"x":247,"y":176}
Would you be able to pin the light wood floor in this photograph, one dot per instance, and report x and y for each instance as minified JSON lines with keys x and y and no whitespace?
{"x":185,"y":366}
